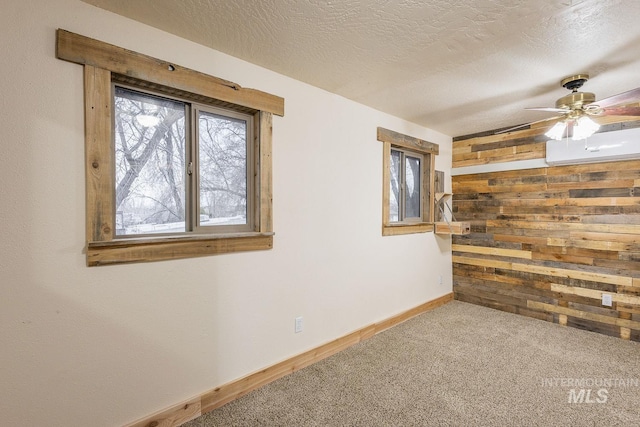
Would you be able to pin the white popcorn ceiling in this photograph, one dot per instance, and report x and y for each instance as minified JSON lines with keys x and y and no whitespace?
{"x":456,"y":66}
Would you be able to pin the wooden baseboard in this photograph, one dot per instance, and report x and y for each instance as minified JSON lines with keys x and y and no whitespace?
{"x":208,"y":401}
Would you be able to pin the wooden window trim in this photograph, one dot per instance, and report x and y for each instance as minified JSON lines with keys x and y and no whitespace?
{"x":86,"y":51}
{"x":102,"y":62}
{"x":429,"y":150}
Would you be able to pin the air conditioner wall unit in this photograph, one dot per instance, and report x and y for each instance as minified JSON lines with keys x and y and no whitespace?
{"x":600,"y":147}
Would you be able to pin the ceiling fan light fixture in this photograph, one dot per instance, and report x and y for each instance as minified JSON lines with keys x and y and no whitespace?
{"x":557,"y":131}
{"x":584,"y":128}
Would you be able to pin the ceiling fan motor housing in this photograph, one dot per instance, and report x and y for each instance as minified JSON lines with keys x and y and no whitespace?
{"x":575,"y":100}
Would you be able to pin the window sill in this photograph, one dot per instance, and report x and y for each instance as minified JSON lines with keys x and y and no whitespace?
{"x":124,"y":251}
{"x":406,"y":228}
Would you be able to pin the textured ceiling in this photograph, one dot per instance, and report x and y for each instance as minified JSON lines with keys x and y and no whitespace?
{"x":456,"y":66}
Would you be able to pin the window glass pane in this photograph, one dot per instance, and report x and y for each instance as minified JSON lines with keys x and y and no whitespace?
{"x":222,"y":155}
{"x":394,"y":194}
{"x":150,"y":159}
{"x":412,"y":187}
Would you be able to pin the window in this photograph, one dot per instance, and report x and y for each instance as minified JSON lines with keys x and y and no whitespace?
{"x":178,"y":163}
{"x":175,"y":174}
{"x":408,"y":180}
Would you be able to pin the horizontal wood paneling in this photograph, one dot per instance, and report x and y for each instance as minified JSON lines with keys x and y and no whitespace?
{"x":522,"y":144}
{"x":548,"y":242}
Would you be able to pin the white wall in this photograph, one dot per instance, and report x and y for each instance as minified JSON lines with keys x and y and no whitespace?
{"x":103,"y":346}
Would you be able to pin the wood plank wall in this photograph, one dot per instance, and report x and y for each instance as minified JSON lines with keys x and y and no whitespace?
{"x":548,"y":242}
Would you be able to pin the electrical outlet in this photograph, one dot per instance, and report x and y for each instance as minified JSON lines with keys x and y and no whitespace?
{"x":606,"y":300}
{"x":298,"y":327}
{"x":440,"y":280}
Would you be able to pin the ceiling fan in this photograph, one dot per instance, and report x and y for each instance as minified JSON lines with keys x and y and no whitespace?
{"x":577,"y":109}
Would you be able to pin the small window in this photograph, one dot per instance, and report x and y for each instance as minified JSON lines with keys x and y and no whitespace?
{"x":178,"y":175}
{"x":406,"y":183}
{"x":408,"y":179}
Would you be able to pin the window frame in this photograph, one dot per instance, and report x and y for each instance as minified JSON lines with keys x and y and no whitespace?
{"x":428,"y":150}
{"x":104,"y":64}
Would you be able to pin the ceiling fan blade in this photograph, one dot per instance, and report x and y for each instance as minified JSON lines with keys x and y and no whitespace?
{"x":628,"y":97}
{"x":550,"y":119}
{"x":549,"y":109}
{"x":622,"y":111}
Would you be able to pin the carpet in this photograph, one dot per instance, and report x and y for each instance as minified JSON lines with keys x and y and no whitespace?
{"x":456,"y":365}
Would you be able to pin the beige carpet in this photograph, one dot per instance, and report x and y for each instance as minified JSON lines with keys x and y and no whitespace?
{"x":457,"y":365}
